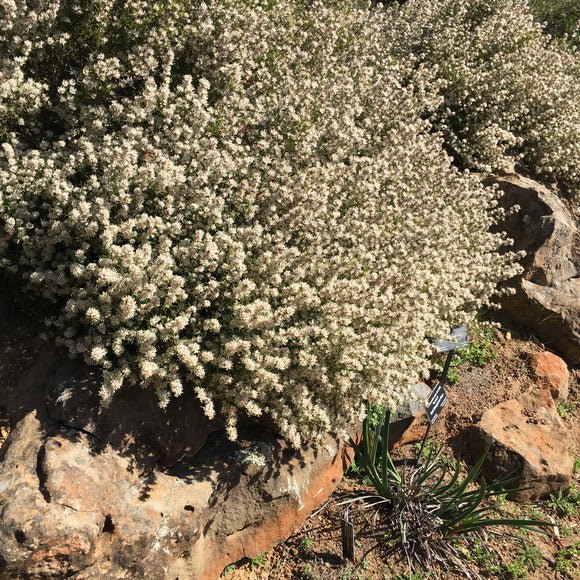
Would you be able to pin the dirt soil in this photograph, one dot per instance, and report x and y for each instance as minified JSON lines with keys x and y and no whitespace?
{"x":315,"y":550}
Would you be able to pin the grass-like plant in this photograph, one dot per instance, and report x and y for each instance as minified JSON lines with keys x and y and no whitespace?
{"x":428,"y":508}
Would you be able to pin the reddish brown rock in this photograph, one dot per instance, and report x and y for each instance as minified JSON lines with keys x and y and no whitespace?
{"x":31,"y":530}
{"x":414,"y":431}
{"x":409,"y":422}
{"x":530,"y":442}
{"x":89,"y":504}
{"x":277,"y":498}
{"x":552,"y":373}
{"x":540,"y":406}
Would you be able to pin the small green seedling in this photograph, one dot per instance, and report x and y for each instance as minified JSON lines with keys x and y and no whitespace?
{"x":306,"y":543}
{"x":565,"y":505}
{"x":529,"y":558}
{"x":307,"y":572}
{"x":258,"y":561}
{"x":565,"y":408}
{"x":568,"y":557}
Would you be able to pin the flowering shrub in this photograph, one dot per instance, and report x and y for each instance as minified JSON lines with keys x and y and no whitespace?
{"x":562,"y":17}
{"x":506,"y":87}
{"x":235,"y":197}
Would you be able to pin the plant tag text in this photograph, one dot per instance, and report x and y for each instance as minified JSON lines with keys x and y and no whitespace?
{"x":436,"y":402}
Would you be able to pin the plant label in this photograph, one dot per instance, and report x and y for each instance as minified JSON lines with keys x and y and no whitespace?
{"x":457,"y":339}
{"x":347,"y":529}
{"x":436,"y":402}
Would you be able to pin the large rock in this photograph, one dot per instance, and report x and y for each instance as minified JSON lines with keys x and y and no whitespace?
{"x":527,"y":439}
{"x":73,"y":506}
{"x":551,"y":312}
{"x":130,"y":491}
{"x":409,"y":423}
{"x":547,"y":297}
{"x":552,"y":373}
{"x":38,"y":536}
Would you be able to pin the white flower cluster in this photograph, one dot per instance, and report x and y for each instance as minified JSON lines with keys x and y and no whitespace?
{"x":506,"y":86}
{"x":237,"y":197}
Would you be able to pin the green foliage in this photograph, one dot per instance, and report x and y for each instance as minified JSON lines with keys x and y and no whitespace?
{"x":432,"y":449}
{"x":478,"y":352}
{"x":306,"y":573}
{"x":425,"y":506}
{"x":258,"y":561}
{"x":565,"y":504}
{"x":528,"y":559}
{"x":576,"y":467}
{"x":478,"y":552}
{"x":565,"y":408}
{"x":452,"y":374}
{"x":565,"y":531}
{"x":568,"y":559}
{"x":491,"y":563}
{"x":229,"y":568}
{"x":561,"y":17}
{"x":428,"y":449}
{"x":306,"y":543}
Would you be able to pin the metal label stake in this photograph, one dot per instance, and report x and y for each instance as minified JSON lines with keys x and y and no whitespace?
{"x":438,"y":398}
{"x":347,"y":529}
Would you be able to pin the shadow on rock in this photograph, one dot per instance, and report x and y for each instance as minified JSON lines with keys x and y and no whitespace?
{"x":129,"y":490}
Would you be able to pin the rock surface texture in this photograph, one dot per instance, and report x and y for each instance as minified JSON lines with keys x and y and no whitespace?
{"x":525,"y":437}
{"x":130,"y":492}
{"x":409,"y":422}
{"x":547,"y":297}
{"x":552,"y":373}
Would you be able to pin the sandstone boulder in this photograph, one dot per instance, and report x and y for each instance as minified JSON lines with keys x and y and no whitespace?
{"x":547,"y":297}
{"x":72,"y":505}
{"x":128,"y":491}
{"x":551,"y":373}
{"x":528,"y":440}
{"x":38,"y":536}
{"x":409,"y":422}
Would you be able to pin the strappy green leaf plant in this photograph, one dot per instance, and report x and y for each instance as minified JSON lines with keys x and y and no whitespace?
{"x":428,"y":508}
